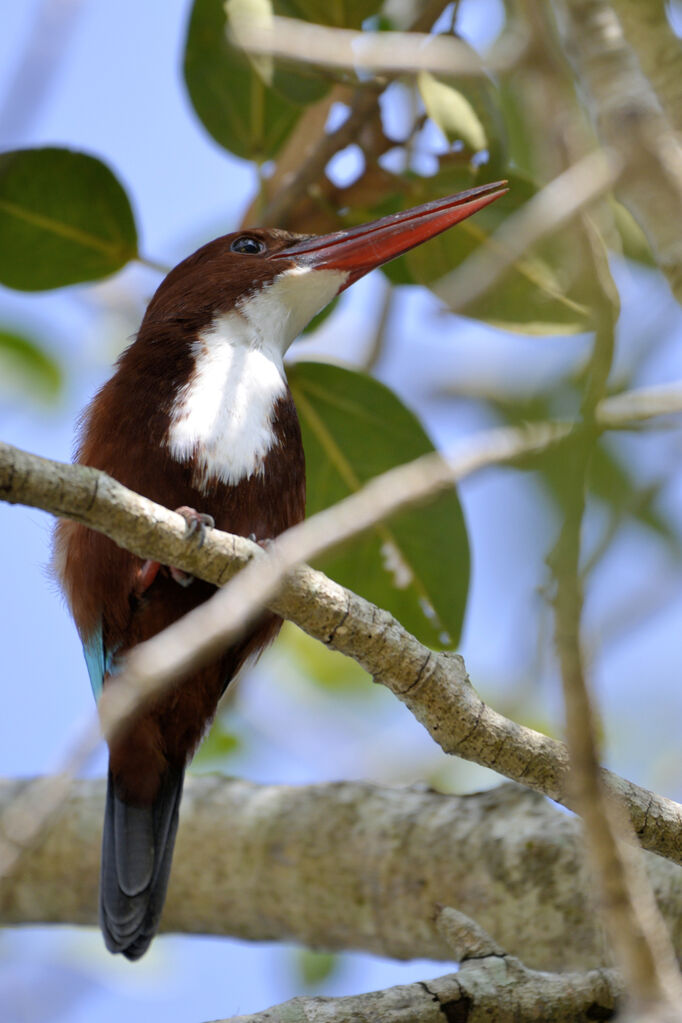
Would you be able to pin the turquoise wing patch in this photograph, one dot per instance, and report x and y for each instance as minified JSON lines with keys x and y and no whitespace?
{"x":99,"y":661}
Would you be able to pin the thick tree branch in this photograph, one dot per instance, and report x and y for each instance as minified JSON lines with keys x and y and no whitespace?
{"x":349,"y":866}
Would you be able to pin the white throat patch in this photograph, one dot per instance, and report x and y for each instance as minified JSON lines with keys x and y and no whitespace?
{"x":223,"y":416}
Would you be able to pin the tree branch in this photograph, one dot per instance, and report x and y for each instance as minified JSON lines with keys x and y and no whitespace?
{"x":348,"y":866}
{"x":629,"y":119}
{"x":302,"y":161}
{"x":658,"y":51}
{"x":495,"y":989}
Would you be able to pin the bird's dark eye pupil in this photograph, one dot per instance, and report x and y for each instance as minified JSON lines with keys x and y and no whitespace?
{"x":247,"y":246}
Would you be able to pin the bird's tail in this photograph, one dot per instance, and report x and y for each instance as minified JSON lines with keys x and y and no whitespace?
{"x":137,"y":849}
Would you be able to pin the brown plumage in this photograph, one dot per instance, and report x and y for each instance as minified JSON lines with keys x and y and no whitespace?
{"x":124,"y":433}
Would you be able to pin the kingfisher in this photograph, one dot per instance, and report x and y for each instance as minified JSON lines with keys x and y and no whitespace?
{"x":198,"y":417}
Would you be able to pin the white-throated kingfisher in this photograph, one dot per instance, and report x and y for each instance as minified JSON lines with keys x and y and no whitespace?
{"x":198,"y":415}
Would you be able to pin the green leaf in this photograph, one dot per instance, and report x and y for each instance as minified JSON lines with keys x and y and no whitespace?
{"x":229,"y":95}
{"x":416,"y":565}
{"x":610,"y":479}
{"x":545,"y":292}
{"x":522,"y":130}
{"x":452,"y":112}
{"x":64,"y":218}
{"x":304,"y":86}
{"x":314,"y":968}
{"x":25,"y":365}
{"x":632,"y":237}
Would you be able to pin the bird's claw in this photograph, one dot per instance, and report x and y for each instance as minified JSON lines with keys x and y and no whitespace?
{"x":197,"y":522}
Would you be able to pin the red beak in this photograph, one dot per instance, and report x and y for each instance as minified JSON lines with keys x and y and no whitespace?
{"x":358,"y":250}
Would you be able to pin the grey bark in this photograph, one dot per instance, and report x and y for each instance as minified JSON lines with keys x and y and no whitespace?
{"x":349,"y":866}
{"x":492,"y":990}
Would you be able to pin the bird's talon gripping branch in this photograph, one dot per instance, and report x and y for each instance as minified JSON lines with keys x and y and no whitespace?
{"x":197,"y":522}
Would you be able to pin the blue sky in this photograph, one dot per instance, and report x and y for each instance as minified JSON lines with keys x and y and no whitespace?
{"x":116,"y":91}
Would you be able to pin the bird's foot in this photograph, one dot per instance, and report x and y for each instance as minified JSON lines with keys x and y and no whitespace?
{"x":197,"y":522}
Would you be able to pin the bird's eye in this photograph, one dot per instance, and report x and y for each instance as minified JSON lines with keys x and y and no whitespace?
{"x":247,"y":246}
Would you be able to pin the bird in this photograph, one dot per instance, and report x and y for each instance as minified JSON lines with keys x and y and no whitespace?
{"x":198,"y":417}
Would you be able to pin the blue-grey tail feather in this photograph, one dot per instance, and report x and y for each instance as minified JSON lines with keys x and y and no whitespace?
{"x":137,"y":849}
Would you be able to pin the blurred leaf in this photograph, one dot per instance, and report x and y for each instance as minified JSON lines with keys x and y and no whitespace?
{"x":467,"y":109}
{"x":229,"y":96}
{"x":219,"y":744}
{"x":521,"y":129}
{"x":416,"y":565}
{"x":324,"y":667}
{"x":451,"y":112}
{"x":610,"y":478}
{"x":337,"y":13}
{"x":64,"y":218}
{"x":25,"y":365}
{"x":541,"y":294}
{"x":299,"y":86}
{"x":315,"y":967}
{"x":633,"y":239}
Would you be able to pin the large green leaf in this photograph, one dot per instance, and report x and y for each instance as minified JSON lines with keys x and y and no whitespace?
{"x":545,"y":292}
{"x":26,"y":366}
{"x":230,"y":94}
{"x":64,"y":218}
{"x":416,"y":565}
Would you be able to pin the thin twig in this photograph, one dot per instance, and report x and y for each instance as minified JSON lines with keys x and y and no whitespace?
{"x":278,"y":209}
{"x":638,"y":934}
